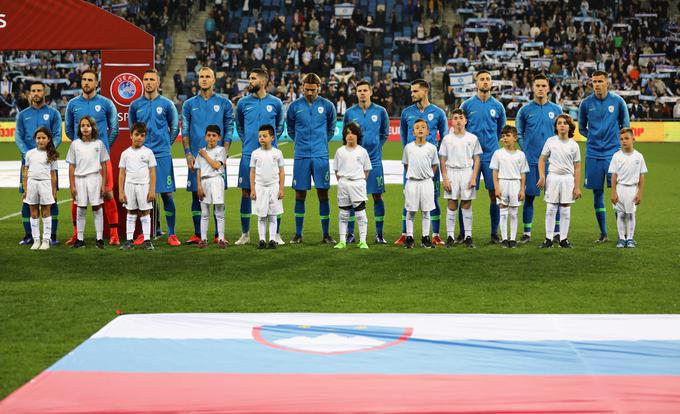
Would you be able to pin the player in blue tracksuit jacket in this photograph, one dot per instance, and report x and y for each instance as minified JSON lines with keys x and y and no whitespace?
{"x":600,"y":118}
{"x":486,"y":118}
{"x":160,"y":116}
{"x":206,"y":108}
{"x":535,"y":123}
{"x":437,"y":122}
{"x":375,"y":126}
{"x":105,"y":114}
{"x":27,"y":121}
{"x":311,"y":125}
{"x":252,"y":111}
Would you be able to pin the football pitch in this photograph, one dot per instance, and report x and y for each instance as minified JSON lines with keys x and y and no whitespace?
{"x":53,"y":300}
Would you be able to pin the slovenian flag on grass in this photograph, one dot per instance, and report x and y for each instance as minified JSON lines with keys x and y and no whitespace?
{"x":366,"y":363}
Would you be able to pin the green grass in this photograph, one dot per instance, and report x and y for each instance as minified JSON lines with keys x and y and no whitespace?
{"x":53,"y":300}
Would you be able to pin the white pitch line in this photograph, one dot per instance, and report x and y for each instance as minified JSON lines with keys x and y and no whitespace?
{"x":19,"y":213}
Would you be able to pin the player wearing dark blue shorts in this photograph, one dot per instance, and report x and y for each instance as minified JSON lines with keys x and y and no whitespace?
{"x":486,"y":118}
{"x":160,"y":116}
{"x":600,"y":118}
{"x":375,"y":126}
{"x":311,"y":125}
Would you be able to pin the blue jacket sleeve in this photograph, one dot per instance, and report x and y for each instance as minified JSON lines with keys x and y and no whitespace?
{"x":519,"y":124}
{"x":239,"y":120}
{"x":582,"y":120}
{"x":56,"y":129}
{"x":279,"y":120}
{"x":228,"y":122}
{"x":384,"y":127}
{"x":173,"y":121}
{"x":403,"y":130}
{"x":186,"y":120}
{"x":112,"y":120}
{"x":290,"y":121}
{"x":68,"y":122}
{"x":132,"y":114}
{"x":331,"y":117}
{"x":624,"y":116}
{"x":443,"y":127}
{"x":501,"y":120}
{"x":19,"y":135}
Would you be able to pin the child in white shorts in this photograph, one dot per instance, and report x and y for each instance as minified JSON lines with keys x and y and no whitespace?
{"x":210,"y":168}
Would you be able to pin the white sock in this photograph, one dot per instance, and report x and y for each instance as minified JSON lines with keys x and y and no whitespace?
{"x":504,"y":223}
{"x":35,"y":228}
{"x":513,"y":222}
{"x":219,"y":215}
{"x":467,"y":221}
{"x":272,"y":227}
{"x":451,"y":216}
{"x":99,"y":222}
{"x":410,"y":218}
{"x":565,"y":220}
{"x":130,"y":224}
{"x":630,"y":228}
{"x":262,"y":228}
{"x":343,"y":218}
{"x":80,"y":222}
{"x":47,"y":227}
{"x":205,"y":220}
{"x":146,"y":226}
{"x":621,"y":224}
{"x":362,"y":223}
{"x":550,"y":214}
{"x":426,"y":223}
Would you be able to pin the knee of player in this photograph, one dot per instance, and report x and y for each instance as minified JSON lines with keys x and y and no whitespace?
{"x":377,"y":197}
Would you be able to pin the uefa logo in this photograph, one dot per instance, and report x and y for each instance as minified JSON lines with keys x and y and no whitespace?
{"x":125,"y":88}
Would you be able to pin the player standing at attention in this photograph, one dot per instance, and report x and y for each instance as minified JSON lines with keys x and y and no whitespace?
{"x":210,"y":169}
{"x":562,"y":154}
{"x":267,"y":177}
{"x":600,"y":118}
{"x":436,"y":121}
{"x":459,"y":155}
{"x":628,"y":171}
{"x":160,"y":116}
{"x":535,"y":123}
{"x":40,"y":181}
{"x":375,"y":127}
{"x":253,"y":111}
{"x":486,"y":118}
{"x":137,"y":185}
{"x":206,"y":108}
{"x":311,"y":125}
{"x":509,"y":166}
{"x":352,"y":167}
{"x":87,"y":158}
{"x":421,"y":163}
{"x":104,"y":113}
{"x":28,"y":121}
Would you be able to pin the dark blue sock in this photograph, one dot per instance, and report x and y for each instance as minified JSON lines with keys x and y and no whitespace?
{"x":403,"y":221}
{"x":170,"y":210}
{"x":299,"y":216}
{"x":600,"y":211}
{"x":495,"y":214}
{"x":528,"y":213}
{"x":26,"y":218}
{"x":196,"y":213}
{"x":434,"y":216}
{"x":324,"y":215}
{"x":461,"y":233}
{"x":278,"y":224}
{"x":379,"y":213}
{"x":350,"y":223}
{"x":557,"y":222}
{"x":246,"y":210}
{"x":54,"y":212}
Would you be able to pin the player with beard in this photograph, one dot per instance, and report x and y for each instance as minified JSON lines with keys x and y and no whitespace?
{"x":252,"y":111}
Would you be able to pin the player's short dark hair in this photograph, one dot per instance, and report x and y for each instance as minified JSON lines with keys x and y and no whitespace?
{"x":419,"y":120}
{"x":311,"y":79}
{"x":421,"y":83}
{"x":263,"y":73}
{"x":458,"y":111}
{"x":481,"y":72}
{"x":355,"y":129}
{"x":600,"y":73}
{"x":570,"y":122}
{"x":152,"y":70}
{"x":92,"y":71}
{"x":36,"y":82}
{"x":363,"y":82}
{"x":138,"y":127}
{"x":213,"y":128}
{"x":627,"y":131}
{"x":509,"y":129}
{"x":268,"y":128}
{"x":540,"y":76}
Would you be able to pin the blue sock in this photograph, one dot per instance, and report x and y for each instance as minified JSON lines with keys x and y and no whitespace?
{"x":495,"y":214}
{"x":54,"y":212}
{"x":278,"y":224}
{"x":350,"y":223}
{"x":557,"y":222}
{"x":170,"y":209}
{"x":600,"y":211}
{"x":246,"y":210}
{"x":324,"y":215}
{"x":26,"y":219}
{"x":403,"y":221}
{"x":379,"y":213}
{"x":528,"y":213}
{"x":196,"y":213}
{"x":434,"y":216}
{"x":461,"y":232}
{"x":299,"y":216}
